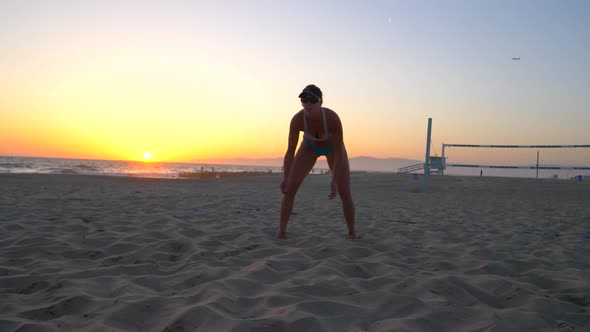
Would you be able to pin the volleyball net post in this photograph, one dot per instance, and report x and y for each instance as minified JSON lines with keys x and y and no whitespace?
{"x":427,"y":158}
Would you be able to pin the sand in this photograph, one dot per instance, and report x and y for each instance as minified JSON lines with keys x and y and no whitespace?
{"x":85,"y":253}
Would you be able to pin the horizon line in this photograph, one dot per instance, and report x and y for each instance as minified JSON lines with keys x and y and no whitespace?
{"x":188,"y":161}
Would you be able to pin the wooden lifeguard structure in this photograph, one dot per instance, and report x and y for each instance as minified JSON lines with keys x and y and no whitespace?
{"x":431,"y":165}
{"x":436,"y":166}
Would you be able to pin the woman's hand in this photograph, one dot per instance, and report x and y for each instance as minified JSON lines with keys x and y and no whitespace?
{"x":333,"y":189}
{"x":283,"y":187}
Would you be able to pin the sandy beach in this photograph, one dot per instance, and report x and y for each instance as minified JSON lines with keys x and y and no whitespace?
{"x":86,"y":253}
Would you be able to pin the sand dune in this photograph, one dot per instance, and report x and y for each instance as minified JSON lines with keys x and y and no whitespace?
{"x":83,"y":253}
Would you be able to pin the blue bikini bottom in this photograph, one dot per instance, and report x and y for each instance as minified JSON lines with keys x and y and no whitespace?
{"x":318,"y":150}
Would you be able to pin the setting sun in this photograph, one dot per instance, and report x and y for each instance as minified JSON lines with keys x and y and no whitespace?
{"x":147,"y":155}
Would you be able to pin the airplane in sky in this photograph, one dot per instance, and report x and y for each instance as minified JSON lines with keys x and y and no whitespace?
{"x":516,"y":58}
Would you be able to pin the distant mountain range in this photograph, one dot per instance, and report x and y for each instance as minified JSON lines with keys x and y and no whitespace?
{"x":356,"y":163}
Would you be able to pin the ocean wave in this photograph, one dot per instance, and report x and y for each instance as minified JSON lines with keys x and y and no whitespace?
{"x":15,"y":165}
{"x":87,"y":168}
{"x":62,"y":171}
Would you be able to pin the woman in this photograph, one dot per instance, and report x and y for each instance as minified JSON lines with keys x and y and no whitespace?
{"x":322,"y":136}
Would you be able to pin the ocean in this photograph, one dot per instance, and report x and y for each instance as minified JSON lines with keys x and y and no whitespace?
{"x":31,"y":165}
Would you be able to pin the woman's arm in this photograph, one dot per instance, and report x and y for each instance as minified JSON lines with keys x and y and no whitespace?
{"x":339,"y":155}
{"x":291,"y":146}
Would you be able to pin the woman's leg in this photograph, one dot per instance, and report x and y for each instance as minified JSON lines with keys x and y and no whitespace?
{"x":343,"y":184}
{"x":303,"y":162}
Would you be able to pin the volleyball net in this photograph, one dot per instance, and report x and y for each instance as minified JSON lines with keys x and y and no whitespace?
{"x":555,"y":161}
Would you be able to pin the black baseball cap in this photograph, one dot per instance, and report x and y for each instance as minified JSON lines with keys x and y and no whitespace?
{"x":312,"y":90}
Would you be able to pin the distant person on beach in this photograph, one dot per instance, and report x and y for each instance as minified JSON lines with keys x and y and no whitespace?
{"x":322,"y":136}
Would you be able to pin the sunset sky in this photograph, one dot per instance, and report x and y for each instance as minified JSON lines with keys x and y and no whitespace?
{"x":189,"y":80}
